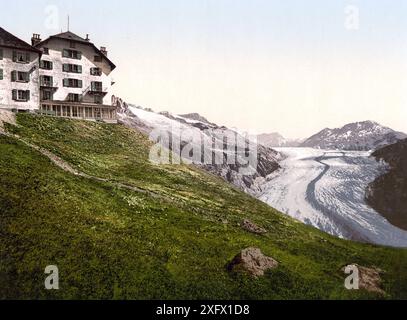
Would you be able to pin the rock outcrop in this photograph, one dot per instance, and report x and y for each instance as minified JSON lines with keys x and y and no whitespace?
{"x":252,"y":261}
{"x":369,"y":279}
{"x":252,"y":227}
{"x":388,"y":193}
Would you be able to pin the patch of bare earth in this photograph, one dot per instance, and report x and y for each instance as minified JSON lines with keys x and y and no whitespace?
{"x":6,"y":117}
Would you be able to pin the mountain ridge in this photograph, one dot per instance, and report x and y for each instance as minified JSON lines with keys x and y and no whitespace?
{"x":362,"y":135}
{"x":198,"y":131}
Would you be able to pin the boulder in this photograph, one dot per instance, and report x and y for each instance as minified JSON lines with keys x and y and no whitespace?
{"x":369,"y":279}
{"x":252,"y":227}
{"x":252,"y":261}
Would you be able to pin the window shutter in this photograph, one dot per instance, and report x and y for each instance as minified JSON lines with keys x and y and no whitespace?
{"x":27,"y":57}
{"x":80,"y":69}
{"x":65,"y":53}
{"x":1,"y":74}
{"x":79,"y":55}
{"x":13,"y":76}
{"x":1,"y":54}
{"x":66,"y":83}
{"x":51,"y":64}
{"x":51,"y":79}
{"x":28,"y":94}
{"x":27,"y":77}
{"x":65,"y":67}
{"x":14,"y":95}
{"x":42,"y":64}
{"x":14,"y":56}
{"x":80,"y":83}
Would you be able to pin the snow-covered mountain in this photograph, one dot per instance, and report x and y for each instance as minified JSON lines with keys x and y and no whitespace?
{"x":367,"y":135}
{"x":195,"y":130}
{"x":276,"y":140}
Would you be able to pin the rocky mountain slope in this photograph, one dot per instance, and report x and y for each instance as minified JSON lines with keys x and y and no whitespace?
{"x":388,"y":193}
{"x":195,"y":130}
{"x":367,"y":135}
{"x":120,"y":227}
{"x":276,"y":140}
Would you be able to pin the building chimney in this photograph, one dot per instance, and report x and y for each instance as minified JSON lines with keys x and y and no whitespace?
{"x":103,"y":50}
{"x":36,"y":39}
{"x":87,"y":37}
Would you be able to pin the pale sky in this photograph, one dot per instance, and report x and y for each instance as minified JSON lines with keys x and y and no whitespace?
{"x":289,"y":66}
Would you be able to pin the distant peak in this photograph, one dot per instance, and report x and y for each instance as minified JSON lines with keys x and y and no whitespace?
{"x":366,"y":123}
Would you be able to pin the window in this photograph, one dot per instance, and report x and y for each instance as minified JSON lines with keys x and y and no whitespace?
{"x":98,"y":99}
{"x":21,"y":57}
{"x":96,"y":86}
{"x":46,"y":65}
{"x":73,"y":83}
{"x":88,"y":112}
{"x":95,"y":71}
{"x":98,"y":59}
{"x":74,"y":68}
{"x":75,"y":112}
{"x":46,"y":95}
{"x":64,"y":112}
{"x":1,"y":54}
{"x":21,"y":95}
{"x":18,"y":76}
{"x":1,"y":74}
{"x":45,"y":51}
{"x":73,"y":97}
{"x":46,"y":81}
{"x":72,"y":54}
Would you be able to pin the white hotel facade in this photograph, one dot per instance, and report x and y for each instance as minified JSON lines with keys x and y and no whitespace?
{"x":64,"y":76}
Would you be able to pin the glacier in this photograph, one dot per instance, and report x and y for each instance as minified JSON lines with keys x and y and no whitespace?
{"x":326,"y":189}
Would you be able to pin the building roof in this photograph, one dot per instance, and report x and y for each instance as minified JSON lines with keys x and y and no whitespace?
{"x":70,"y":36}
{"x":74,"y":37}
{"x":10,"y":41}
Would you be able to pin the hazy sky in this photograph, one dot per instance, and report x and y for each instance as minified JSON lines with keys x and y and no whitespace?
{"x":262,"y":65}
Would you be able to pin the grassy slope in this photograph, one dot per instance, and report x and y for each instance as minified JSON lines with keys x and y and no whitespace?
{"x":113,"y":243}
